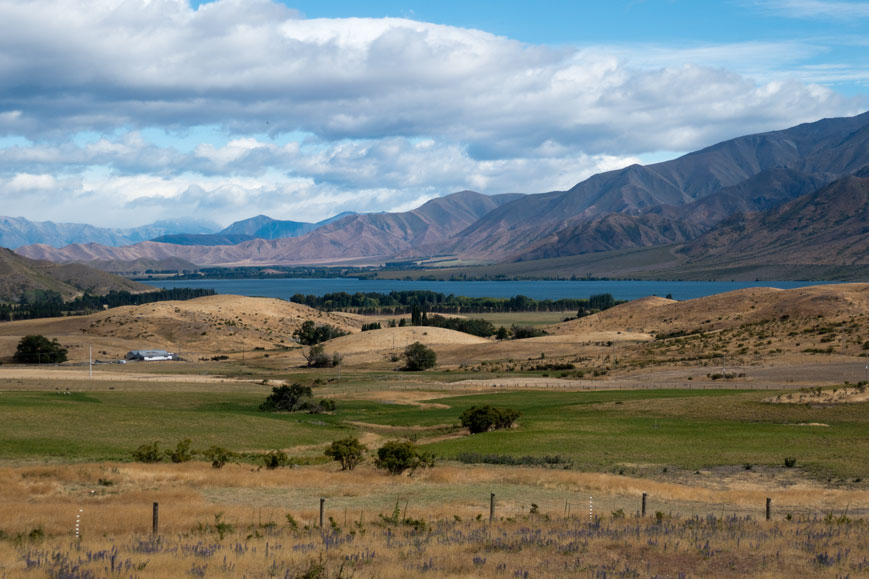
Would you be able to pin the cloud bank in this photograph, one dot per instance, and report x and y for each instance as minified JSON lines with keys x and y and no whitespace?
{"x":323,"y":115}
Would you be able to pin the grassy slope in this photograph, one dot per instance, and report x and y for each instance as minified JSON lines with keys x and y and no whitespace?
{"x":603,"y":431}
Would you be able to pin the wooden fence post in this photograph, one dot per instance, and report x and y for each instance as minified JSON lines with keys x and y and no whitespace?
{"x":644,"y":505}
{"x":491,"y":507}
{"x":768,"y":508}
{"x":155,"y":518}
{"x":322,"y":503}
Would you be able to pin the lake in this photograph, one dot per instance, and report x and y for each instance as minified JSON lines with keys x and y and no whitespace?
{"x":539,"y":290}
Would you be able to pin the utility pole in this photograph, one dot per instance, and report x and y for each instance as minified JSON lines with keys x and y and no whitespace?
{"x":91,"y":362}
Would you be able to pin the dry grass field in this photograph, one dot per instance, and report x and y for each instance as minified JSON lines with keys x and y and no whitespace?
{"x":695,"y":403}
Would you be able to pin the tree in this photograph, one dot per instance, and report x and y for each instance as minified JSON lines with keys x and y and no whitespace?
{"x":287,"y":398}
{"x":397,"y":456}
{"x":318,"y":358}
{"x":503,"y":333}
{"x":36,"y":349}
{"x":310,"y":333}
{"x":348,"y":451}
{"x":418,"y":356}
{"x":479,"y":419}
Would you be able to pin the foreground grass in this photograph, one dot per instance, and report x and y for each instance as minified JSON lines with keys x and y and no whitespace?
{"x":529,"y":547}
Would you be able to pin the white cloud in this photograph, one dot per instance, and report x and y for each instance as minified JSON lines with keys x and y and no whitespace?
{"x":25,"y":182}
{"x":256,"y":67}
{"x":396,"y":111}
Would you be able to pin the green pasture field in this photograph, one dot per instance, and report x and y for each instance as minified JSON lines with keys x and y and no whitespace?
{"x":635,"y":432}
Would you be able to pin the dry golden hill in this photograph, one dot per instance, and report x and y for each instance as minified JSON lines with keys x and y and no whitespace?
{"x":727,"y":310}
{"x":385,"y":345}
{"x":198,"y":327}
{"x":399,"y":338}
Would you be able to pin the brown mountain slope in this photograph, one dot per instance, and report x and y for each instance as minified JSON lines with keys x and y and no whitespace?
{"x":373,"y":235}
{"x":826,"y":149}
{"x":18,"y":274}
{"x":830,"y":226}
{"x":665,"y":224}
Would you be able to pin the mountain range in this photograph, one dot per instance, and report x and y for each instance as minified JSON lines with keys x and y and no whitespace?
{"x":750,"y":198}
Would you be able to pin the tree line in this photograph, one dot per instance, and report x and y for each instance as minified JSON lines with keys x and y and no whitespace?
{"x":34,"y":304}
{"x":403,"y":302}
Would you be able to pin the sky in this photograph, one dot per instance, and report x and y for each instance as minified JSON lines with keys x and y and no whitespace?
{"x":120,"y":113}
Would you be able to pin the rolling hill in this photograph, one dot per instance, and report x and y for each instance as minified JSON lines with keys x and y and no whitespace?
{"x":18,"y":274}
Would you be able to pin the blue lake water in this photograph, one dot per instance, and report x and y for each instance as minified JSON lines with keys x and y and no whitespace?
{"x":539,"y":290}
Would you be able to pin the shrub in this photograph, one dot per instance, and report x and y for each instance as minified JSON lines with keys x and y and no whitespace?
{"x":398,"y":456}
{"x":310,"y":333}
{"x":790,"y":461}
{"x":287,"y":398}
{"x":218,"y":456}
{"x":418,"y":357}
{"x":484,"y":418}
{"x":318,"y":358}
{"x":276,"y":458}
{"x":148,"y":453}
{"x":181,"y":453}
{"x":522,"y":332}
{"x":348,"y":451}
{"x":37,"y":349}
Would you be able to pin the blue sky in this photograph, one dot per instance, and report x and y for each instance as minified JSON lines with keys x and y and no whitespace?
{"x":123,"y":113}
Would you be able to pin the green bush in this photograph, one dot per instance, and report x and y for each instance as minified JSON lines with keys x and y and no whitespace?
{"x":37,"y":349}
{"x":348,"y":451}
{"x":182,"y":452}
{"x":479,"y":419}
{"x":276,"y":459}
{"x":287,"y":398}
{"x":218,"y":456}
{"x":522,"y":332}
{"x":397,"y":456}
{"x":310,"y":333}
{"x":418,"y":357}
{"x":148,"y":453}
{"x":318,"y":358}
{"x":790,"y":461}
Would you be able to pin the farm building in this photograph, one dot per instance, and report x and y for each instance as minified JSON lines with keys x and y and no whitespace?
{"x":150,"y":355}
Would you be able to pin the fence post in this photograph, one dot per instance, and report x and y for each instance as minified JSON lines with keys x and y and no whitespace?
{"x":644,"y":505}
{"x":155,"y":518}
{"x":768,"y":508}
{"x":322,"y":503}
{"x":491,"y":507}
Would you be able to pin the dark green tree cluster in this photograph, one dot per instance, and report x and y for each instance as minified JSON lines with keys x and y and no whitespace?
{"x":422,"y":301}
{"x":37,"y":349}
{"x":35,"y":304}
{"x":310,"y":333}
{"x":418,"y":357}
{"x":476,"y":327}
{"x":295,"y":398}
{"x":522,"y":332}
{"x":479,"y":419}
